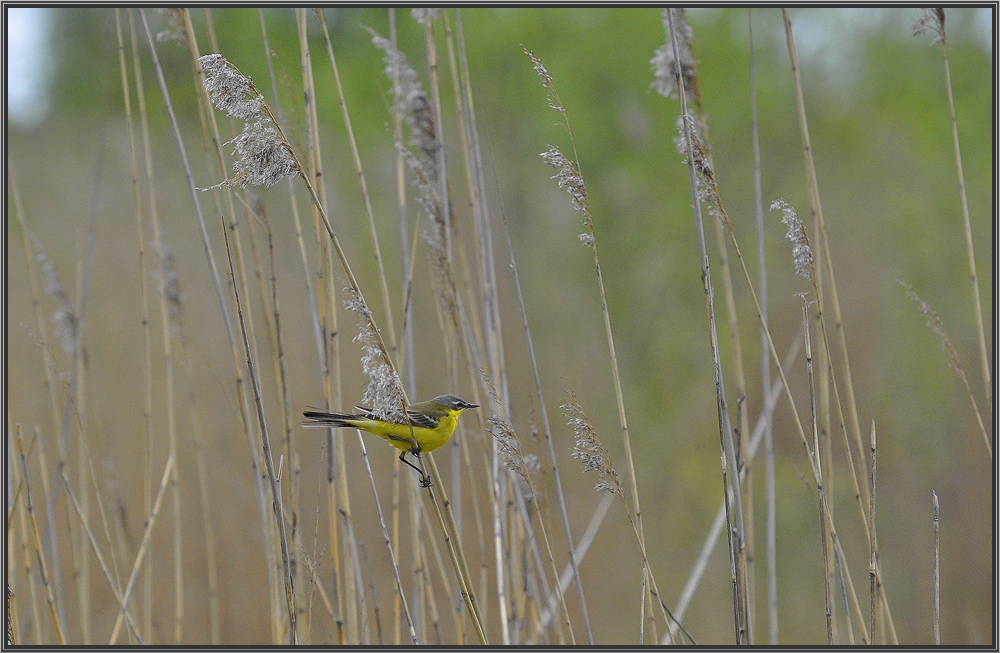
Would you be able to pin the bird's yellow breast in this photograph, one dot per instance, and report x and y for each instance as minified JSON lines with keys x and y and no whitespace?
{"x":399,"y":436}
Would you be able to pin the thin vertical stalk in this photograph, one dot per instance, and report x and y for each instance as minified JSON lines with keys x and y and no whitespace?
{"x":30,"y":577}
{"x":386,"y":304}
{"x":770,"y":519}
{"x":701,"y":562}
{"x":817,"y":210}
{"x":977,"y":305}
{"x":569,"y":174}
{"x":937,"y":571}
{"x":872,"y":546}
{"x":242,"y":391}
{"x":388,"y":543}
{"x":455,"y":548}
{"x":725,"y":429}
{"x":441,"y":162}
{"x":825,"y":255}
{"x":147,"y":409}
{"x":276,"y":502}
{"x":821,"y":491}
{"x":543,"y":413}
{"x":310,"y":294}
{"x":143,"y":548}
{"x":409,"y":349}
{"x":39,"y":554}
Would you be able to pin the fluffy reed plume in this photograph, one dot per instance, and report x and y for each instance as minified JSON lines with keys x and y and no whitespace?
{"x":64,"y":317}
{"x":384,"y":392}
{"x":932,"y":22}
{"x":170,"y":282}
{"x":569,"y":178}
{"x":665,"y":64}
{"x":263,"y":157}
{"x":411,"y":100}
{"x":801,"y":251}
{"x":524,"y":465}
{"x":588,"y":449}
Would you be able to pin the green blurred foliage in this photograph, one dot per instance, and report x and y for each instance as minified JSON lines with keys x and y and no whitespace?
{"x":881,"y":137}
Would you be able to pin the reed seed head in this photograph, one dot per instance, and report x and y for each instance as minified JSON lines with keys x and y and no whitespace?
{"x":665,"y":64}
{"x":801,"y":251}
{"x":569,"y":178}
{"x":384,"y":392}
{"x":410,"y":100}
{"x":589,"y":450}
{"x":263,"y":156}
{"x":932,"y":21}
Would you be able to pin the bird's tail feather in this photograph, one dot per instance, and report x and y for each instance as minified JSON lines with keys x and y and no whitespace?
{"x":335,"y":420}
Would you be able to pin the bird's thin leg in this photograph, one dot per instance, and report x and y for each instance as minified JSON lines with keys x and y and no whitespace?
{"x":425,"y":480}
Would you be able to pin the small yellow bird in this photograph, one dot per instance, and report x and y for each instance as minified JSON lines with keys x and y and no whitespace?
{"x":431,"y":424}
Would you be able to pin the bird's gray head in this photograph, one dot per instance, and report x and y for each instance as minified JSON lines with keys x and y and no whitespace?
{"x":453,"y":402}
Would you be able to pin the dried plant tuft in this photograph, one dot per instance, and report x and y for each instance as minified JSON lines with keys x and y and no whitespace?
{"x":932,"y":22}
{"x":665,"y":65}
{"x":801,"y":251}
{"x":589,"y":450}
{"x":411,"y":100}
{"x":384,"y":393}
{"x":569,"y":178}
{"x":263,"y":155}
{"x":510,"y":449}
{"x":63,"y":316}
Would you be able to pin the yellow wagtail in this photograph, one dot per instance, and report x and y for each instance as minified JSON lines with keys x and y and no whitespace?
{"x":431,"y":424}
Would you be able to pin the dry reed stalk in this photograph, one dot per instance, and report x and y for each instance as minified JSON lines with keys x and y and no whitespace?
{"x":770,"y":493}
{"x":276,"y":501}
{"x":803,"y":258}
{"x":245,"y":140}
{"x":208,"y":521}
{"x":450,"y":531}
{"x":872,"y":546}
{"x":355,"y":155}
{"x":933,"y":21}
{"x":513,"y":459}
{"x":68,"y":323}
{"x":708,"y":546}
{"x":550,"y":448}
{"x":937,"y":570}
{"x":296,"y":220}
{"x":29,"y":574}
{"x":820,"y":488}
{"x":48,"y":359}
{"x":569,"y":176}
{"x":147,"y":410}
{"x":242,"y":390}
{"x":39,"y":555}
{"x":823,"y":244}
{"x":143,"y":548}
{"x":827,"y":267}
{"x":737,"y":531}
{"x":278,"y":370}
{"x":100,"y":558}
{"x":388,"y":543}
{"x":245,"y":318}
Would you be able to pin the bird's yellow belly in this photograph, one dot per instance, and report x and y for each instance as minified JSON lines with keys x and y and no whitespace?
{"x":399,"y":436}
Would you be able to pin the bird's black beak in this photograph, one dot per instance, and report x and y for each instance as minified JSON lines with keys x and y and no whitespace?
{"x":466,"y":405}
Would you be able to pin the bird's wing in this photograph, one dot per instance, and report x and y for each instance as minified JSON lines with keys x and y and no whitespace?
{"x":416,"y":418}
{"x":419,"y":419}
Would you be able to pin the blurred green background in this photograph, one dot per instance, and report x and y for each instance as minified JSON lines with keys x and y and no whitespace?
{"x":879,"y":123}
